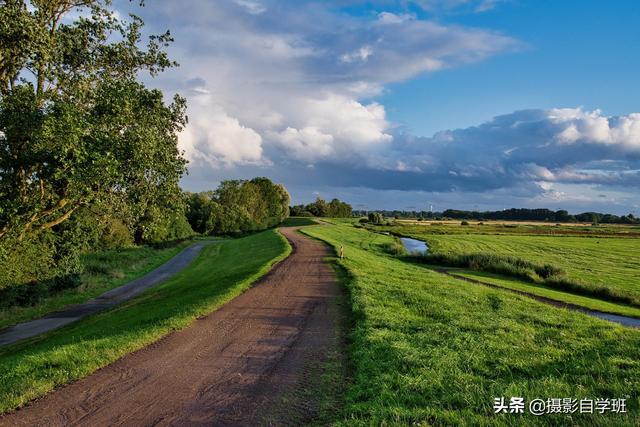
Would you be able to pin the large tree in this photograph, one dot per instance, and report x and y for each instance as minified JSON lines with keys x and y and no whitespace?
{"x":77,"y":127}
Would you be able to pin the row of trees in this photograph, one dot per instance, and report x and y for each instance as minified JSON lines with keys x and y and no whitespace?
{"x":542,"y":215}
{"x":320,"y":208}
{"x":511,"y":215}
{"x":238,"y":206}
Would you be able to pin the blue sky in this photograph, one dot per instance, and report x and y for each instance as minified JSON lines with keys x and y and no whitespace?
{"x":473,"y":104}
{"x":577,"y":53}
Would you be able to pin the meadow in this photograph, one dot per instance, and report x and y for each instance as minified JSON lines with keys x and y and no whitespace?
{"x":591,"y":258}
{"x":34,"y":367}
{"x":426,"y":349}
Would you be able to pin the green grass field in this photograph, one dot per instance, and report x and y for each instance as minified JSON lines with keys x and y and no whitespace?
{"x":428,"y":350}
{"x":548,"y":292}
{"x":33,"y":368}
{"x":612,"y":262}
{"x":103,"y":271}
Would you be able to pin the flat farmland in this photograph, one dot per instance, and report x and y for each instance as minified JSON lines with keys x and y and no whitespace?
{"x":603,"y":258}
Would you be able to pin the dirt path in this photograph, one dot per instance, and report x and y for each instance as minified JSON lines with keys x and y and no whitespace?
{"x":631,"y":322}
{"x":110,"y":298}
{"x":229,"y":368}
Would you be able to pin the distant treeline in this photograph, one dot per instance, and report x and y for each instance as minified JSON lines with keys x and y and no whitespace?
{"x":320,"y":208}
{"x":238,"y":206}
{"x":512,"y":215}
{"x":541,"y":215}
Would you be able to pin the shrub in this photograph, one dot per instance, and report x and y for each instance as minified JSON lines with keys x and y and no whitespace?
{"x":35,"y":267}
{"x":395,"y":248}
{"x":464,"y":223}
{"x":363,"y":220}
{"x":548,"y":271}
{"x":116,"y":235}
{"x":376,"y":218}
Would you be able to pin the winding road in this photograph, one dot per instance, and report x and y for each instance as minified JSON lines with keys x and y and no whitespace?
{"x":110,"y":298}
{"x":232,"y":367}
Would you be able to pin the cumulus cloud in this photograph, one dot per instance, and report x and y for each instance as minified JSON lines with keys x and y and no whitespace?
{"x":288,"y":89}
{"x":558,"y":145}
{"x":217,"y":139}
{"x":267,"y":81}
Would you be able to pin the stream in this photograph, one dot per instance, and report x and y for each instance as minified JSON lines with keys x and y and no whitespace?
{"x":414,"y":246}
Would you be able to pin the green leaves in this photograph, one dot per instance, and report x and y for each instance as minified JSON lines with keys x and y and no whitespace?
{"x":79,"y":127}
{"x":80,"y":133}
{"x":238,"y":206}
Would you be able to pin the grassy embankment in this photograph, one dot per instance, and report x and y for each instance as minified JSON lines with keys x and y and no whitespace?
{"x":428,"y":351}
{"x":103,"y":271}
{"x":599,"y":266}
{"x":222,"y":271}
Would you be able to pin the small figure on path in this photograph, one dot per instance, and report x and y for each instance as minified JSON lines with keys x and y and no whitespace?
{"x":341,"y":252}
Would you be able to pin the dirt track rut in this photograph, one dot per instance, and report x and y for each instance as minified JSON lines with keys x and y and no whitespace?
{"x":229,"y":368}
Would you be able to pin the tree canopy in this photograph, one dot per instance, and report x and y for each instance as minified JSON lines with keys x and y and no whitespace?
{"x":238,"y":206}
{"x":320,"y":208}
{"x":88,"y":154}
{"x":77,"y":129}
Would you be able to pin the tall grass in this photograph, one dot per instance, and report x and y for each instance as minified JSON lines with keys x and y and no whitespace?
{"x":395,"y":248}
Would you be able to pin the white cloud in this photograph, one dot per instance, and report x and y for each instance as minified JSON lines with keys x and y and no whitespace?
{"x":278,"y":75}
{"x":253,"y":7}
{"x":334,"y":127}
{"x":591,"y":127}
{"x":393,"y":18}
{"x":361,"y":54}
{"x":308,"y":143}
{"x":219,"y":140}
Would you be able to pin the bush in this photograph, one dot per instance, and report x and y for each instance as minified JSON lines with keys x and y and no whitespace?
{"x":116,"y":235}
{"x":548,"y":271}
{"x":464,"y":223}
{"x":395,"y":248}
{"x":363,"y":220}
{"x":39,"y":265}
{"x":376,"y":218}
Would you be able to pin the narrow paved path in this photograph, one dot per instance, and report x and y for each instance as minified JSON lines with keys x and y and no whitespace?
{"x":231,"y":367}
{"x":115,"y":296}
